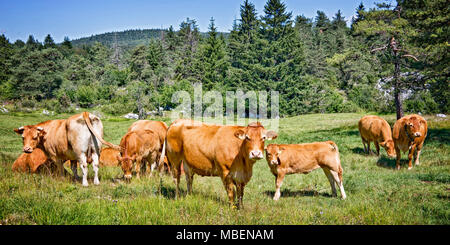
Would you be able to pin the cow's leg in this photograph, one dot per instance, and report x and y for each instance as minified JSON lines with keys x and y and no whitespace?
{"x":410,"y":156}
{"x":339,"y":183}
{"x":418,"y":149}
{"x":73,"y":166}
{"x":189,"y":178}
{"x":278,"y":182}
{"x":229,"y":188}
{"x":176,"y":173}
{"x":60,"y":167}
{"x":377,"y":147}
{"x":95,"y":164}
{"x":397,"y":161}
{"x":368,"y":148}
{"x":84,"y":168}
{"x":240,"y":195}
{"x":138,"y":167}
{"x":364,"y":144}
{"x":331,"y":180}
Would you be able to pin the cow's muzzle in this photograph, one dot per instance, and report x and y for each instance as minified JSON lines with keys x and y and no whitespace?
{"x":27,"y":149}
{"x":256,"y":155}
{"x":417,"y":134}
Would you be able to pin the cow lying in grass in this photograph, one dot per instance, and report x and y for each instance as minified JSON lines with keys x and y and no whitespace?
{"x":304,"y":158}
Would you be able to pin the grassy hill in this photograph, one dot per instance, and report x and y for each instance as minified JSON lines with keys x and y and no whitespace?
{"x":125,"y":39}
{"x":377,"y":194}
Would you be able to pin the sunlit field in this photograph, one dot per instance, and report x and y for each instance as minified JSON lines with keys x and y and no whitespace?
{"x":377,"y":194}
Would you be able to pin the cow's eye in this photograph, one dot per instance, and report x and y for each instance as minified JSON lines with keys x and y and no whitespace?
{"x":247,"y":137}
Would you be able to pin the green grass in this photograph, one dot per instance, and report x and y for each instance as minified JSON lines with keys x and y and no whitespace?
{"x":377,"y":194}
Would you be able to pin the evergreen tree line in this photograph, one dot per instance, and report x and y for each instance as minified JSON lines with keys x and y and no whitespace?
{"x":391,"y":56}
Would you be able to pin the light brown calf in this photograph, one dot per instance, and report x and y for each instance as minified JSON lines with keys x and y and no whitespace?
{"x":108,"y":157}
{"x":158,"y":127}
{"x":375,"y":129}
{"x":304,"y":158}
{"x":137,"y":146}
{"x":31,"y":162}
{"x":409,"y":134}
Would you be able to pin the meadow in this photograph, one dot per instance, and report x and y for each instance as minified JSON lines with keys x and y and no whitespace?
{"x":377,"y":194}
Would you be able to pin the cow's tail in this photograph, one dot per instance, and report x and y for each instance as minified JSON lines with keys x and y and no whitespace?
{"x":335,"y":149}
{"x":91,"y":129}
{"x":163,"y":153}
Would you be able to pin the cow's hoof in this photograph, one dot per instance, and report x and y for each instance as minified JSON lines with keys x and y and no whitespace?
{"x":409,"y":168}
{"x":85,"y":183}
{"x":96,"y":182}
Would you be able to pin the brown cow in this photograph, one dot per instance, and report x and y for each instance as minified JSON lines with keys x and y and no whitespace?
{"x":108,"y":157}
{"x":138,"y":145}
{"x":77,"y":138}
{"x":216,"y":150}
{"x":376,"y":129}
{"x":304,"y":158}
{"x":160,"y":128}
{"x":31,"y":162}
{"x":409,"y":134}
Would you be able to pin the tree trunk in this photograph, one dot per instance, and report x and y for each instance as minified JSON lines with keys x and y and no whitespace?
{"x":398,"y":101}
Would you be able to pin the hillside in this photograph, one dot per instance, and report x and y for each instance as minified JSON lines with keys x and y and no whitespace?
{"x":125,"y":39}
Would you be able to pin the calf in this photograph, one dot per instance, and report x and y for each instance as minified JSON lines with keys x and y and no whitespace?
{"x":409,"y":134}
{"x":31,"y":162}
{"x":108,"y":157}
{"x":304,"y":158}
{"x":137,"y":146}
{"x":158,"y":127}
{"x":376,"y":129}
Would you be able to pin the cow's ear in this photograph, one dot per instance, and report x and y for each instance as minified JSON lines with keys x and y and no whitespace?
{"x":133,"y":157}
{"x":41,"y":130}
{"x":240,"y":134}
{"x":19,"y":130}
{"x":271,"y":135}
{"x":119,"y":158}
{"x":383,"y":144}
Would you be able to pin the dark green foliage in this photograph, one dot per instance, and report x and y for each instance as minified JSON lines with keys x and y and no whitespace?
{"x":317,"y":65}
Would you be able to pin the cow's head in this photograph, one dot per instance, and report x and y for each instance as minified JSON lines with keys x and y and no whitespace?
{"x":126,"y":163}
{"x":31,"y":136}
{"x":412,"y":127}
{"x":388,"y":145}
{"x":273,"y":153}
{"x":254,"y":136}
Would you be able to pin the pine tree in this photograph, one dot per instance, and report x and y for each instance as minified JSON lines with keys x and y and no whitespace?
{"x":387,"y":23}
{"x":48,"y":42}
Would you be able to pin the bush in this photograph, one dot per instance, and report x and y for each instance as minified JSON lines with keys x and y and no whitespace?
{"x":86,"y":95}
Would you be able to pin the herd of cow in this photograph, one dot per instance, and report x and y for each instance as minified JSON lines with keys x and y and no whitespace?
{"x":204,"y":149}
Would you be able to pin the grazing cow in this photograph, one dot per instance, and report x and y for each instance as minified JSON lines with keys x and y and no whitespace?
{"x":160,"y":128}
{"x":138,"y":145}
{"x":409,"y":134}
{"x":376,"y":129}
{"x":77,"y":138}
{"x":304,"y":158}
{"x":216,"y":150}
{"x":108,"y":157}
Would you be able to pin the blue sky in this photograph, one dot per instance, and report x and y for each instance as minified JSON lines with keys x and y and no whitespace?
{"x":82,"y":18}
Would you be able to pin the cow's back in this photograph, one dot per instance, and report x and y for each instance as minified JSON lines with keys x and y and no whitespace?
{"x":374,"y":128}
{"x":209,"y":149}
{"x":158,"y":127}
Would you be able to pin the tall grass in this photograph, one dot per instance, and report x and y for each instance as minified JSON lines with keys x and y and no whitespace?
{"x":377,"y":194}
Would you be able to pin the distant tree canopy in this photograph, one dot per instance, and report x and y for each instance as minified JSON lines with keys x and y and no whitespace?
{"x":318,"y":65}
